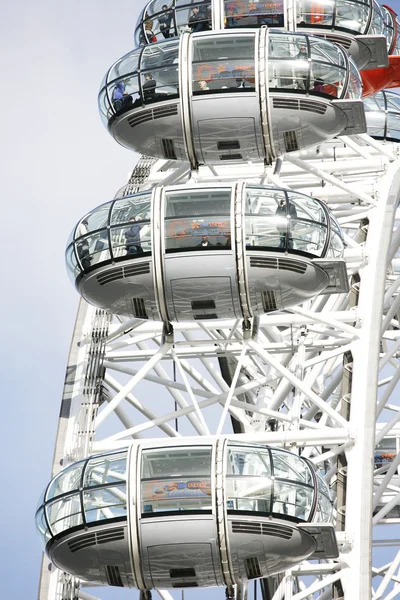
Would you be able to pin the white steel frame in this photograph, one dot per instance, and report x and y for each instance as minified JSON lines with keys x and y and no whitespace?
{"x":319,"y":379}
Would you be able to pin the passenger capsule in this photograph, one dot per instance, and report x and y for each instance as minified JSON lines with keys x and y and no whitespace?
{"x":233,"y":97}
{"x":382,"y":112}
{"x":156,"y":516}
{"x":346,"y":22}
{"x":209,"y":252}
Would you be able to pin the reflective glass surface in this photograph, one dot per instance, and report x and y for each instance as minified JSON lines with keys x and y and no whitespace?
{"x":270,"y":481}
{"x":348,"y":15}
{"x":123,"y":229}
{"x":247,"y":13}
{"x":198,"y":220}
{"x":302,"y":63}
{"x":91,"y":490}
{"x":286,"y":220}
{"x":382,"y":112}
{"x":167,"y":19}
{"x":389,"y":28}
{"x":223,"y":63}
{"x":68,"y":480}
{"x":176,"y":479}
{"x":324,"y":504}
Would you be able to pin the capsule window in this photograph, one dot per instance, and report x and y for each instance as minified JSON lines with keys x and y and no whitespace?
{"x":175,"y":480}
{"x":105,"y":503}
{"x":222,"y":63}
{"x":198,"y":220}
{"x":160,"y":72}
{"x":247,"y":13}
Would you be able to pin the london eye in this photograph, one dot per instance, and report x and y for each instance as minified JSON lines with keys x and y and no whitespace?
{"x":230,"y":411}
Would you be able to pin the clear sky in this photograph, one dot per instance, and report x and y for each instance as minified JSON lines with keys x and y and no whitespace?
{"x":58,"y":162}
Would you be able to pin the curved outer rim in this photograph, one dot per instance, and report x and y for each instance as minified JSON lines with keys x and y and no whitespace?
{"x":261,"y":57}
{"x":132,"y":516}
{"x":157,"y":221}
{"x":221,"y":514}
{"x":185,"y":95}
{"x":240,"y":249}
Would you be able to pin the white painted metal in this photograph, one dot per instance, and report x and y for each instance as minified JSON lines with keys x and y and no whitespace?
{"x":290,"y":381}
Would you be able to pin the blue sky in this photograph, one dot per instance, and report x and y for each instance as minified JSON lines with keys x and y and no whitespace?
{"x":58,"y":162}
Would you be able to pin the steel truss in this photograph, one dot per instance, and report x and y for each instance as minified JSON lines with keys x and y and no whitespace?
{"x":320,"y":379}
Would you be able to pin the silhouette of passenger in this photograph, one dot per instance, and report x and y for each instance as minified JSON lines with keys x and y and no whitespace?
{"x":149,"y":88}
{"x":205,"y":242}
{"x":286,"y":212}
{"x":148,"y":30}
{"x":318,"y":85}
{"x":203,"y":85}
{"x":132,"y":236}
{"x":83,"y":246}
{"x":121,"y":100}
{"x":165,"y":21}
{"x":198,"y":21}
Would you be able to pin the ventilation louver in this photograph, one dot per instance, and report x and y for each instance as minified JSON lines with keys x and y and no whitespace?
{"x":257,"y":528}
{"x":296,"y":104}
{"x":252,"y":567}
{"x":268,"y":299}
{"x":122,"y":272}
{"x":93,"y":539}
{"x":139,"y":309}
{"x":113,"y":576}
{"x":168,"y":149}
{"x":283,"y":264}
{"x":290,"y":140}
{"x":152,"y":114}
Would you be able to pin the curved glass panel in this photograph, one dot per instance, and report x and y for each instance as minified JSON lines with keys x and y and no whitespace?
{"x":223,"y":63}
{"x":396,"y":49}
{"x":73,"y":268}
{"x":93,"y":249}
{"x":96,"y":219}
{"x":383,"y":115}
{"x":160,"y":71}
{"x":176,"y":479}
{"x":252,"y":485}
{"x":125,"y":66}
{"x":324,"y":505}
{"x":68,"y":480}
{"x":354,"y":89}
{"x":377,"y":26}
{"x":275,"y":219}
{"x":297,"y":62}
{"x":41,"y":526}
{"x":248,"y":479}
{"x":291,"y":467}
{"x":64,"y":514}
{"x":198,"y":220}
{"x":105,"y":503}
{"x":138,"y":206}
{"x":389,"y":28}
{"x":350,"y":15}
{"x":106,"y":469}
